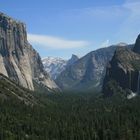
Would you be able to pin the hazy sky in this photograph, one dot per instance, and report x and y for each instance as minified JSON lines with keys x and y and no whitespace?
{"x":65,"y":27}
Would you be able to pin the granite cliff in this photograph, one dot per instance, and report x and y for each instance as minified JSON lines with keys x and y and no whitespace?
{"x":87,"y":72}
{"x":123,"y":72}
{"x":18,"y":60}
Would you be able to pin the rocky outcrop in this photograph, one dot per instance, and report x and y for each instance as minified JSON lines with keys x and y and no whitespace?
{"x":19,"y":61}
{"x":86,"y":73}
{"x":72,"y":60}
{"x":123,"y":71}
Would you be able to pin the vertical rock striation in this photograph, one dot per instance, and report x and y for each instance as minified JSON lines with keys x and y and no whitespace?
{"x":86,"y":73}
{"x":123,"y":71}
{"x":18,"y":60}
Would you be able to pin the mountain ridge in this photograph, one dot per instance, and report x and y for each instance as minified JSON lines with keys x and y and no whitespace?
{"x":19,"y":61}
{"x":55,"y":65}
{"x":123,"y":71}
{"x":88,"y":72}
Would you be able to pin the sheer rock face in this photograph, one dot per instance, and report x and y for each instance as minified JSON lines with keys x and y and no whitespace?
{"x":72,"y":60}
{"x":87,"y":72}
{"x":136,"y":48}
{"x":18,"y":60}
{"x":124,"y":70}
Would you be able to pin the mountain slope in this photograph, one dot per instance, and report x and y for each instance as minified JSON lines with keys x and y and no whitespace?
{"x":122,"y":75}
{"x":87,"y":72}
{"x":10,"y":90}
{"x":72,"y":60}
{"x":54,"y":66}
{"x":18,"y":60}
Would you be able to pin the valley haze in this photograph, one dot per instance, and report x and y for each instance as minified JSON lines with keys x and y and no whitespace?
{"x":70,"y":70}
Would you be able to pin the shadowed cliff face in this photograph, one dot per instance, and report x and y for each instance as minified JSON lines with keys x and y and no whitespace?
{"x":136,"y":48}
{"x":18,"y":60}
{"x":123,"y":70}
{"x":87,"y":72}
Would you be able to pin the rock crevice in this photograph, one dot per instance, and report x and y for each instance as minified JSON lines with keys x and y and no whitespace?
{"x":19,"y":61}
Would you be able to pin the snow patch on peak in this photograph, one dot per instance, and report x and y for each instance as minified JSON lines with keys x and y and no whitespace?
{"x":54,"y":65}
{"x":122,"y":44}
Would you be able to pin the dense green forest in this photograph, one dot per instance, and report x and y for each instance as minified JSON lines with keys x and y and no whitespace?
{"x":70,"y":117}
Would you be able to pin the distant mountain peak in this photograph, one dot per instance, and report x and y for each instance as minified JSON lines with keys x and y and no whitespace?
{"x":87,"y":72}
{"x":121,"y":44}
{"x":73,"y":59}
{"x":51,"y":58}
{"x":75,"y":56}
{"x":54,"y":65}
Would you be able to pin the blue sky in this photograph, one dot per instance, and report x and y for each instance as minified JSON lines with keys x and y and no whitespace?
{"x":64,"y":27}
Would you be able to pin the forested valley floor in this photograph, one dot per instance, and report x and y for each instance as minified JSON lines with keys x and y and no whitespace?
{"x":70,"y":117}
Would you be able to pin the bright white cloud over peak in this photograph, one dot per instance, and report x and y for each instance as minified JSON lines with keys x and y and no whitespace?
{"x":106,"y":43}
{"x":130,"y":26}
{"x":56,"y":42}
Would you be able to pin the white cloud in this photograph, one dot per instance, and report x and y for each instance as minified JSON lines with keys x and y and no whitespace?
{"x":105,"y":43}
{"x":102,"y":12}
{"x":55,"y":42}
{"x":126,"y":14}
{"x":107,"y":12}
{"x":130,"y":26}
{"x":133,"y":7}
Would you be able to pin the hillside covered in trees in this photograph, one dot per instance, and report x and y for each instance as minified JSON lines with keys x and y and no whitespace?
{"x":70,"y":117}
